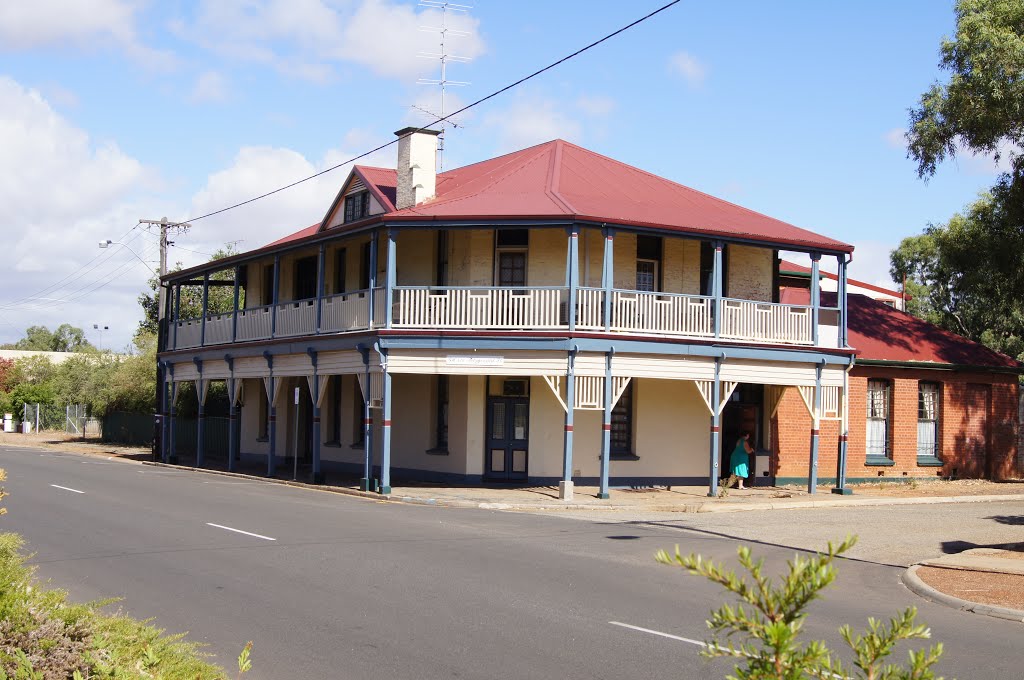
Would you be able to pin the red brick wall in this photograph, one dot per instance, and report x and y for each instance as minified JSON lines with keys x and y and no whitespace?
{"x":977,"y":427}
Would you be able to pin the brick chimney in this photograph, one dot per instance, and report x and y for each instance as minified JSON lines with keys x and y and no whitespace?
{"x":417,"y":166}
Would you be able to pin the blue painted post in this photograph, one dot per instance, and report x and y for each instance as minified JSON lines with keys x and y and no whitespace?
{"x":366,"y":483}
{"x":390,"y":276}
{"x":373,"y":278}
{"x":716,"y":289}
{"x":320,"y":265}
{"x":201,"y":425}
{"x":385,"y":444}
{"x":815,"y":296}
{"x":606,"y":428}
{"x":172,"y":450}
{"x":206,"y":303}
{"x":716,"y":431}
{"x":843,"y":337}
{"x":232,"y":422}
{"x":565,"y":487}
{"x":844,"y":435}
{"x":274,"y":296}
{"x":234,"y":309}
{"x":812,"y":471}
{"x":165,"y":402}
{"x":271,"y":418}
{"x":177,"y":312}
{"x":608,"y":277}
{"x":573,"y":273}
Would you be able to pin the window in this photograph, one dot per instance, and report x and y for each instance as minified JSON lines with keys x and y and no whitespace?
{"x":510,"y":260}
{"x":707,"y":269}
{"x":264,"y":417}
{"x":364,"y":267}
{"x":879,"y":396}
{"x":441,"y":433}
{"x":267,"y":285}
{"x":305,"y":274}
{"x":441,"y":263}
{"x":358,"y":435}
{"x":335,"y":408}
{"x":928,"y":420}
{"x":622,"y":425}
{"x":340,"y":270}
{"x":648,"y":263}
{"x":357,"y":206}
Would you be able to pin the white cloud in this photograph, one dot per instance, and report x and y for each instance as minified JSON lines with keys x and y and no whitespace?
{"x":63,"y":192}
{"x":597,"y":105}
{"x":210,"y":87}
{"x":256,"y":170}
{"x":687,"y":66}
{"x":530,"y":121}
{"x":309,"y":38}
{"x":90,"y":25}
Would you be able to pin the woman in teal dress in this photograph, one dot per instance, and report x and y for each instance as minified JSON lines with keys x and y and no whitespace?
{"x":739,"y":461}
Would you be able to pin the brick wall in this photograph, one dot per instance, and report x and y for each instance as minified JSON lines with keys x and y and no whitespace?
{"x":977,"y":427}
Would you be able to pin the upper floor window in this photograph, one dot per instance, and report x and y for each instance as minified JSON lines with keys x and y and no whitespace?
{"x":267,"y":284}
{"x":648,"y":263}
{"x":707,"y":269}
{"x":879,"y":408}
{"x":305,"y":273}
{"x":928,"y":420}
{"x":340,"y":270}
{"x":357,"y":206}
{"x":510,"y":257}
{"x":365,"y":266}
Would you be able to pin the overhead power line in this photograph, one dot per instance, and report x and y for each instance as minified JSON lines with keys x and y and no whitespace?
{"x":444,"y":118}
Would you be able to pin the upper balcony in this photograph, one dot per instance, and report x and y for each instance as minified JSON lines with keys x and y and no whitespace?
{"x":542,"y":280}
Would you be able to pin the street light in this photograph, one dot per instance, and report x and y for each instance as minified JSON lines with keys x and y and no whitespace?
{"x":107,"y":243}
{"x":100,"y":328}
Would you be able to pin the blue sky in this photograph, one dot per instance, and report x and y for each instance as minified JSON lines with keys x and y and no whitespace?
{"x":116,"y":110}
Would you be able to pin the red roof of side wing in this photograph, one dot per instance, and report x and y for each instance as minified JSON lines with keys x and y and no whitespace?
{"x":560,"y":180}
{"x":882,"y":333}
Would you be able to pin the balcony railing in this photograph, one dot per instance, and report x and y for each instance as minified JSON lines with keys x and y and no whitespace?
{"x":480,"y":308}
{"x":527,"y":308}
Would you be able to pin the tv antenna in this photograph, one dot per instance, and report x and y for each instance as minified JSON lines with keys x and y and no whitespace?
{"x":445,"y":58}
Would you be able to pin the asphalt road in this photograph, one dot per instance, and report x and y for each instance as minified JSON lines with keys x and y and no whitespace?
{"x":355,"y":588}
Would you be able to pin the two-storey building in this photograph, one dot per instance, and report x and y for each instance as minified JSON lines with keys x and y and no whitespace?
{"x":551,"y":315}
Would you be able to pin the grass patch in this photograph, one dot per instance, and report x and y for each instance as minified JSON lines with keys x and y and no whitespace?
{"x":43,"y":636}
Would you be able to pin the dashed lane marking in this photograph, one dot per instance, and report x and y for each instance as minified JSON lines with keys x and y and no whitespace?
{"x":239,"y":531}
{"x":66,"y":488}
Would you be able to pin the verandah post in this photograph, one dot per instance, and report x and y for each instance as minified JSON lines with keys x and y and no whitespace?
{"x":572,"y":273}
{"x":606,"y":427}
{"x":234,"y":309}
{"x":716,"y":288}
{"x":271,"y":417}
{"x":812,"y":471}
{"x":608,"y":277}
{"x":385,"y":443}
{"x":366,"y":482}
{"x":716,"y":427}
{"x":201,"y":417}
{"x":565,"y":487}
{"x":276,"y":285}
{"x":206,"y":305}
{"x":320,"y":264}
{"x":815,"y":296}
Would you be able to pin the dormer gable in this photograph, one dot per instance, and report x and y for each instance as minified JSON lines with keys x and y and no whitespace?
{"x":366,"y":192}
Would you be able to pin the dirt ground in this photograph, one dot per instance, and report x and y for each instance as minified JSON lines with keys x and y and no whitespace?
{"x":67,"y":442}
{"x":1000,"y":590}
{"x":939,"y":487}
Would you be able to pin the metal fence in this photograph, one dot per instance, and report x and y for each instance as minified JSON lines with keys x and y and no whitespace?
{"x":70,"y":418}
{"x":138,"y":429}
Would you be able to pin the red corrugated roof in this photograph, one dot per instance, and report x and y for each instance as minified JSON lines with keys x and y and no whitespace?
{"x":384,"y":180}
{"x":882,"y":333}
{"x":786,"y":265}
{"x":560,"y":180}
{"x":301,"y":233}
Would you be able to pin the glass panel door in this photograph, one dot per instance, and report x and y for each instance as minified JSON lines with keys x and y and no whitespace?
{"x":508,"y":429}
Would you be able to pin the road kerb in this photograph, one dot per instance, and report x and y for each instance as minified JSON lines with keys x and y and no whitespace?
{"x":913,"y":582}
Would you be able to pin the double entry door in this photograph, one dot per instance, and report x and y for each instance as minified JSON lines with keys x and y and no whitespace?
{"x":508,"y":431}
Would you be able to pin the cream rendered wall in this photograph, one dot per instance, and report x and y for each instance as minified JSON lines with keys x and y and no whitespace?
{"x":750,"y":273}
{"x":250,"y":414}
{"x":350,"y":399}
{"x":414,"y":252}
{"x":625,"y":261}
{"x":681,"y":263}
{"x":472,"y":401}
{"x":547,"y":428}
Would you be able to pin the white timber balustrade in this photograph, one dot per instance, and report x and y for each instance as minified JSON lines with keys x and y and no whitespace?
{"x":188,"y":333}
{"x":346,"y":312}
{"x":590,"y":309}
{"x":218,"y":328}
{"x":296,"y":318}
{"x":766,"y":322}
{"x":254,"y":323}
{"x":485,"y":308}
{"x":662,"y":313}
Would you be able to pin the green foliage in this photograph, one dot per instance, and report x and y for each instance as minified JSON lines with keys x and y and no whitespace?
{"x":966,"y":274}
{"x":66,"y":338}
{"x":982,"y":106}
{"x":764,"y":629}
{"x":244,"y":662}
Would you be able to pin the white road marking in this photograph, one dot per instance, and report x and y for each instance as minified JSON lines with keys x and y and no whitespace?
{"x":239,"y":531}
{"x":57,"y":486}
{"x":659,"y":633}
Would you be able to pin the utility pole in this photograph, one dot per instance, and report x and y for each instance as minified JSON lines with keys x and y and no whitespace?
{"x":161,"y":325}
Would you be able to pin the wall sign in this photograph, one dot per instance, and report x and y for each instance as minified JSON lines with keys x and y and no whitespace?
{"x":474,"y":360}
